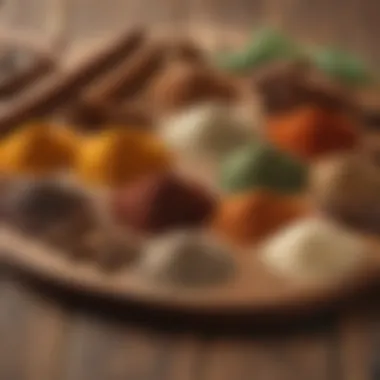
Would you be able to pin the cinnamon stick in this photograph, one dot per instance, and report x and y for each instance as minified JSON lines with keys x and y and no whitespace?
{"x":52,"y":93}
{"x":15,"y":83}
{"x":185,"y":50}
{"x":97,"y":117}
{"x":129,"y":78}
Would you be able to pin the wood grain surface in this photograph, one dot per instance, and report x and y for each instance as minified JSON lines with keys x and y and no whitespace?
{"x":47,"y":336}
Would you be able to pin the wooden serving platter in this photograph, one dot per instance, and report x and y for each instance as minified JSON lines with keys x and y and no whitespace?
{"x":253,"y":290}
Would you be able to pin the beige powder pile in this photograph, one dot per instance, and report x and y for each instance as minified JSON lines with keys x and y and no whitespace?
{"x":206,"y":131}
{"x":313,"y":250}
{"x":187,"y":259}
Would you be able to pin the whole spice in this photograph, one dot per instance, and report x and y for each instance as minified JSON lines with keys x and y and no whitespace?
{"x":117,"y":156}
{"x":262,"y":166}
{"x":250,"y":217}
{"x":310,"y":132}
{"x":93,"y":118}
{"x":183,"y":84}
{"x":47,"y":96}
{"x":162,"y":202}
{"x":129,"y":78}
{"x":41,"y":65}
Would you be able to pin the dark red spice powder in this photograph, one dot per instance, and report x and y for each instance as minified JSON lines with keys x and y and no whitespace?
{"x":162,"y":202}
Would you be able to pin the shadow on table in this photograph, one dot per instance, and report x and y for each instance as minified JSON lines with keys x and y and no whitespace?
{"x":229,"y":322}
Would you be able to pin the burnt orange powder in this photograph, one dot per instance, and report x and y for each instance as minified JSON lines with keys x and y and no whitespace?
{"x":311,"y":132}
{"x":246,"y":219}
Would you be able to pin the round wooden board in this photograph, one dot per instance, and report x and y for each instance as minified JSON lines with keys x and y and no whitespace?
{"x":254,"y":290}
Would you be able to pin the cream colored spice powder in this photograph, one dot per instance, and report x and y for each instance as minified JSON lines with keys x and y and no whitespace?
{"x":314,"y":250}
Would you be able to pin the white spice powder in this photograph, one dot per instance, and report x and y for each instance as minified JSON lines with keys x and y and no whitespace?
{"x":313,"y":249}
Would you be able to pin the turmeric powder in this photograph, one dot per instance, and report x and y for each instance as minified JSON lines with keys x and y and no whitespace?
{"x":38,"y":149}
{"x":117,"y":156}
{"x":248,"y":218}
{"x":311,"y":132}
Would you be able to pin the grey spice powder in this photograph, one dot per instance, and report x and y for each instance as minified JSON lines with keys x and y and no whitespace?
{"x":187,"y":259}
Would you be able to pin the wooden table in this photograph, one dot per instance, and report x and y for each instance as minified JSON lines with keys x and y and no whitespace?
{"x":46,"y":334}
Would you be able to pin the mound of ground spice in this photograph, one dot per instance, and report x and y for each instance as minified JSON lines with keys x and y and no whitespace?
{"x":311,"y":132}
{"x":262,"y":166}
{"x":162,"y":202}
{"x":187,"y":259}
{"x":313,"y":250}
{"x":206,"y":131}
{"x":40,"y":206}
{"x":38,"y":149}
{"x":248,"y":218}
{"x":117,"y":156}
{"x":347,"y":188}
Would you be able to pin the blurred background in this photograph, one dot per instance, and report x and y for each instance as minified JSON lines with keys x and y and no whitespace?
{"x":351,"y":24}
{"x":43,"y":338}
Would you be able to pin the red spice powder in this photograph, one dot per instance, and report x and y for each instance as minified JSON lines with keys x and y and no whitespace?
{"x":162,"y":202}
{"x":311,"y":132}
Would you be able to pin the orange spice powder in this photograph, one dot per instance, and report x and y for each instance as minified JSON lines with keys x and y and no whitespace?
{"x":248,"y":218}
{"x":311,"y":132}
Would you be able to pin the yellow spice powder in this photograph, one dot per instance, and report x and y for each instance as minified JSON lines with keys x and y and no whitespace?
{"x":117,"y":156}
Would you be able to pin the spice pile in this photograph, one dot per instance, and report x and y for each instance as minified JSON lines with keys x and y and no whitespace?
{"x":151,"y":156}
